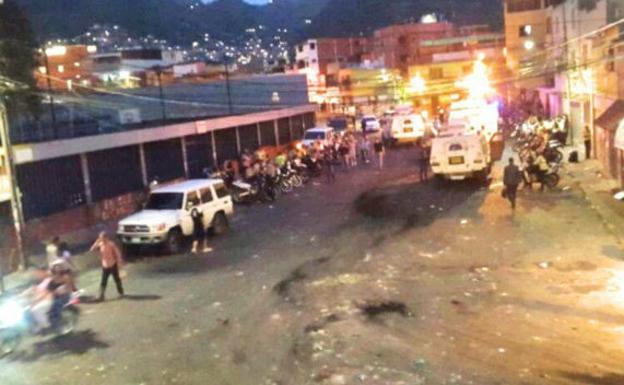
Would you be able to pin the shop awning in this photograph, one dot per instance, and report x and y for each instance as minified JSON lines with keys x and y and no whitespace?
{"x":611,"y":118}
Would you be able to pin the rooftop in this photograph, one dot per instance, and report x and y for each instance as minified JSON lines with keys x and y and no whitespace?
{"x":189,"y":185}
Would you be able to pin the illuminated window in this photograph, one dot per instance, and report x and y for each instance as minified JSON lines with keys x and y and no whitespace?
{"x":76,"y":64}
{"x":526,"y":30}
{"x":61,"y":68}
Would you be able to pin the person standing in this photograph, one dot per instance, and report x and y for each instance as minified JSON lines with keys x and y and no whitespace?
{"x":512,"y":178}
{"x":587,"y":140}
{"x":199,"y":232}
{"x":380,"y":150}
{"x":53,"y":249}
{"x":112,"y":261}
{"x":328,"y":163}
{"x":423,"y":162}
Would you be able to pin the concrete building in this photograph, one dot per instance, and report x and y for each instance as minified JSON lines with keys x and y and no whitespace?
{"x":527,"y":25}
{"x":315,"y":55}
{"x":126,"y":68}
{"x":399,"y":46}
{"x":65,"y":66}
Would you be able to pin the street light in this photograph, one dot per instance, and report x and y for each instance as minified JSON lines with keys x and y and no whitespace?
{"x":417,"y":84}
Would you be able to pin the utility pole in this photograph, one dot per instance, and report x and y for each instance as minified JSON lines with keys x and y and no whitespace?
{"x":16,"y":201}
{"x":227,"y":85}
{"x":158,"y":70}
{"x":49,"y":83}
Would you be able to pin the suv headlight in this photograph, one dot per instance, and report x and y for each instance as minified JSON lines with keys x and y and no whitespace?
{"x":159,"y":227}
{"x":120,"y":228}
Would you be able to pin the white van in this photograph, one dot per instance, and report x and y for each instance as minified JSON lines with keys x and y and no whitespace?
{"x":407,"y":128}
{"x":475,"y":116}
{"x":456,"y":155}
{"x":317,"y":134}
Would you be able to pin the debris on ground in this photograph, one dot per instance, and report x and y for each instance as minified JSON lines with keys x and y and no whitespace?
{"x":374,"y":308}
{"x":343,"y":279}
{"x":545,"y":264}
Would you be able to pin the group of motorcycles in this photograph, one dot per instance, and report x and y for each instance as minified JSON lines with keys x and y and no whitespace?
{"x":536,"y":138}
{"x":264,"y":187}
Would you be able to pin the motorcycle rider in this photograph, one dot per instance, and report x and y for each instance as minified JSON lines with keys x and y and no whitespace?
{"x":49,"y":298}
{"x":540,"y":169}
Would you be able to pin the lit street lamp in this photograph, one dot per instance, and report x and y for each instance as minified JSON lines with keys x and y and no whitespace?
{"x":417,"y":85}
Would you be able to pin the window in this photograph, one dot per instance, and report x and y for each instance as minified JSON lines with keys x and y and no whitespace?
{"x":300,"y":48}
{"x":523,"y":5}
{"x":455,"y":147}
{"x":221,"y":191}
{"x":192,"y":200}
{"x":611,"y":60}
{"x":312,"y":46}
{"x":164,"y":201}
{"x":61,"y":68}
{"x":549,"y":28}
{"x":526,"y":30}
{"x":436,"y":73}
{"x":206,"y":195}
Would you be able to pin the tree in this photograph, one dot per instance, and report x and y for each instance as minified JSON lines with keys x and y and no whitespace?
{"x":18,"y":60}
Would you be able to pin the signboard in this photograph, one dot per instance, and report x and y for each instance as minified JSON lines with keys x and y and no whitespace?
{"x":619,"y":136}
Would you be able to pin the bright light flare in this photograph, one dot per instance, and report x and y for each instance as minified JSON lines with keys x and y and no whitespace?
{"x":477,"y":83}
{"x":11,"y":313}
{"x":417,"y":84}
{"x":57,"y":50}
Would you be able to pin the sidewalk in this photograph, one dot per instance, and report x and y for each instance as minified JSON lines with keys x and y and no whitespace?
{"x":79,"y":243}
{"x":598,"y":191}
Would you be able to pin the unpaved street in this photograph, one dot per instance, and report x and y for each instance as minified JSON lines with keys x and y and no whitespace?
{"x":377,"y":279}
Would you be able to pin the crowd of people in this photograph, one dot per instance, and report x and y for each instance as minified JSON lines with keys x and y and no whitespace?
{"x":339,"y":151}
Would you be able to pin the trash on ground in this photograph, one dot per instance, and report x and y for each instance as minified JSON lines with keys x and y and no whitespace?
{"x":544,"y":265}
{"x":343,"y":279}
{"x":619,"y":196}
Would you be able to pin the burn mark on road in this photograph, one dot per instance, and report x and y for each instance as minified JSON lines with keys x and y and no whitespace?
{"x":375,"y":308}
{"x":283,"y":287}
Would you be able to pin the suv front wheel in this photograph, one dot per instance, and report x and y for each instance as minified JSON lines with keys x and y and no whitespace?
{"x":173,"y":243}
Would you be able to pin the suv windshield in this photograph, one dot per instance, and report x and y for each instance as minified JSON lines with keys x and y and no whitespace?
{"x":165,"y":201}
{"x":314,"y":135}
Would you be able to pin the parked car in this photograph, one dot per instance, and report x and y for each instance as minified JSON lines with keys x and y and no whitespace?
{"x":339,"y":123}
{"x":166,"y":218}
{"x":313,"y":135}
{"x":370,"y":123}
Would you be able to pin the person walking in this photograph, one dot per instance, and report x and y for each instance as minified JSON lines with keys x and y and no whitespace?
{"x":328,"y":164}
{"x":423,"y":162}
{"x":512,"y":178}
{"x":111,"y":260}
{"x":587,"y":141}
{"x":380,"y":150}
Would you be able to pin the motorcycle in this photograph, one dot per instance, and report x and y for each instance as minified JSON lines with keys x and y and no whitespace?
{"x":551,"y":178}
{"x":16,"y":321}
{"x":282,"y":182}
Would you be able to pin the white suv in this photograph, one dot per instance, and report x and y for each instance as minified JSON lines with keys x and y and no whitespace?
{"x":166,"y":218}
